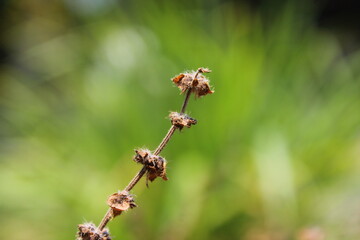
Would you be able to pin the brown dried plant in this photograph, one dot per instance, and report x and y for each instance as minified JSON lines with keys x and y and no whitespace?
{"x":153,"y":165}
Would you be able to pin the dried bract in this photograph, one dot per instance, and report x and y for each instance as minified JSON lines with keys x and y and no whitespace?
{"x":121,"y":201}
{"x":155,"y":165}
{"x":184,"y":81}
{"x":88,"y":231}
{"x":195,"y":81}
{"x":204,"y":70}
{"x":142,"y":156}
{"x":203,"y":87}
{"x":156,"y":168}
{"x":181,"y":120}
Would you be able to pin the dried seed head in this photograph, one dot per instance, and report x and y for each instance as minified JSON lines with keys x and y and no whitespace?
{"x":195,"y":81}
{"x":178,"y":78}
{"x":142,"y":155}
{"x":203,"y":87}
{"x":121,"y":201}
{"x":181,"y":120}
{"x":183,"y":81}
{"x":88,"y":231}
{"x":156,"y":168}
{"x":155,"y":165}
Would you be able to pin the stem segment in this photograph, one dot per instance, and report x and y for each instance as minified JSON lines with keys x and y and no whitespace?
{"x":188,"y":93}
{"x":109,"y":215}
{"x":165,"y":140}
{"x":136,"y":179}
{"x":172,"y":129}
{"x":105,"y":219}
{"x":186,"y":100}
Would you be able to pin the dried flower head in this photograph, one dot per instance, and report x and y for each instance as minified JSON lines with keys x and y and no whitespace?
{"x":142,"y":156}
{"x":88,"y":231}
{"x":155,"y":165}
{"x":195,"y":81}
{"x":121,"y":201}
{"x":156,"y":168}
{"x":181,"y":120}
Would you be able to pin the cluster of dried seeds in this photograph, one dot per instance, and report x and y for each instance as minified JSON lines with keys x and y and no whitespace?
{"x":88,"y":231}
{"x":156,"y":165}
{"x":181,"y":120}
{"x":195,"y":81}
{"x":120,"y":201}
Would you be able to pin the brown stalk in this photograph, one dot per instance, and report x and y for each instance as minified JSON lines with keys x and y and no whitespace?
{"x":188,"y":87}
{"x":109,"y":214}
{"x":105,"y":219}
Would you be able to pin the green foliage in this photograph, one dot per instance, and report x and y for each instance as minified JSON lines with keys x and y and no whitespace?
{"x":275,"y":152}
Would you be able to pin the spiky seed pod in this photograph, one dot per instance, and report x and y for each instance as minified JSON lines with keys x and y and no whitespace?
{"x":155,"y":165}
{"x":181,"y":120}
{"x":88,"y":231}
{"x":202,"y":88}
{"x":195,"y":81}
{"x":156,"y":168}
{"x":142,"y":156}
{"x":121,"y":201}
{"x":183,"y":81}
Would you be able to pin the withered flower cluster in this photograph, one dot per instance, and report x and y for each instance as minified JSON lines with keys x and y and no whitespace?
{"x":88,"y":231}
{"x":153,"y":165}
{"x":120,"y":201}
{"x":195,"y":81}
{"x":181,"y":120}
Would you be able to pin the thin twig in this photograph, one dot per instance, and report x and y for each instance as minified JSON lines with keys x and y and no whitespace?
{"x":141,"y":173}
{"x":190,"y":88}
{"x":165,"y":140}
{"x":105,"y":219}
{"x":136,"y":179}
{"x":132,"y":183}
{"x":197,"y":72}
{"x":188,"y":93}
{"x":186,"y":100}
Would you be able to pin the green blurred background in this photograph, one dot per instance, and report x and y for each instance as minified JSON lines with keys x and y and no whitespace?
{"x":275,"y":154}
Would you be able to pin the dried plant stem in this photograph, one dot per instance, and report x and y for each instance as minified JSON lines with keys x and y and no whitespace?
{"x":154,"y":165}
{"x":109,"y":214}
{"x":172,"y":129}
{"x":186,"y":101}
{"x":188,"y":93}
{"x":165,"y":140}
{"x":105,"y":219}
{"x":136,"y":179}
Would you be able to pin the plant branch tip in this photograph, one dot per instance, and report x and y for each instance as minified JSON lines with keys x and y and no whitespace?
{"x":204,"y":70}
{"x":195,"y":81}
